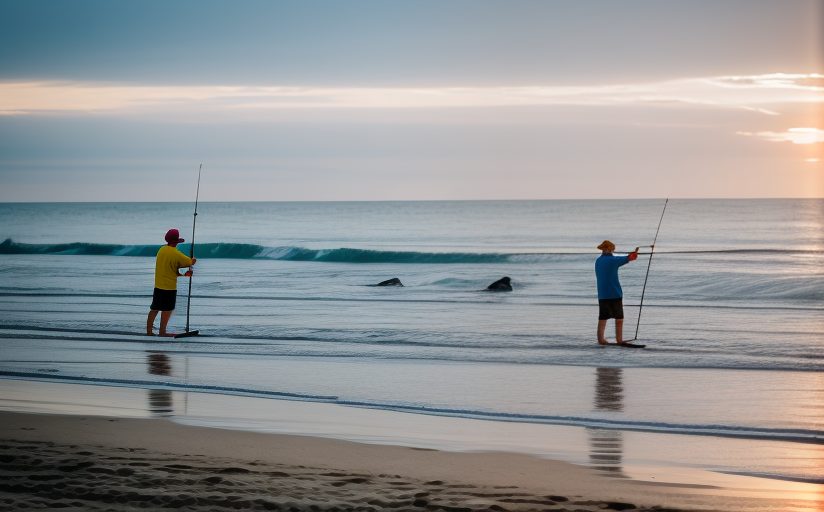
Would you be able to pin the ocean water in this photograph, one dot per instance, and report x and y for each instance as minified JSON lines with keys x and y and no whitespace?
{"x":733,"y":310}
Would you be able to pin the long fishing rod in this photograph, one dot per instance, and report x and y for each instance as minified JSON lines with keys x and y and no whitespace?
{"x":651,"y":252}
{"x":192,"y":255}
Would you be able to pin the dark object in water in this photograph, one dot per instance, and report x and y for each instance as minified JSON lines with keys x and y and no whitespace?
{"x":501,"y":285}
{"x":390,"y":282}
{"x":626,"y":344}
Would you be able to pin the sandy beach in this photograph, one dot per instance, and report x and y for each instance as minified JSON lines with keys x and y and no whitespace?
{"x":100,"y":463}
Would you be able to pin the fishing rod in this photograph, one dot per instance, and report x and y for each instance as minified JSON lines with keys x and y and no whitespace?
{"x":192,"y":255}
{"x":651,"y":252}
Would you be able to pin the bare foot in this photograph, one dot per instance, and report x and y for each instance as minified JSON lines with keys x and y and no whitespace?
{"x":149,"y":334}
{"x":603,"y":342}
{"x":167,"y":334}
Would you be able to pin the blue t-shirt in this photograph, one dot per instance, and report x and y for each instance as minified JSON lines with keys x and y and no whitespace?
{"x":606,"y":273}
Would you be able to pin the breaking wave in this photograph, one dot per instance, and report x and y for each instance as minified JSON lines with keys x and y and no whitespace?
{"x":338,"y":255}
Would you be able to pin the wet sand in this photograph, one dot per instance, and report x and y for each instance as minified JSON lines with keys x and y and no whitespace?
{"x":99,"y":463}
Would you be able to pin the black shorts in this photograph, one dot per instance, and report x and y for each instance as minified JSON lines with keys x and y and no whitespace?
{"x":163,"y":300}
{"x":610,"y":308}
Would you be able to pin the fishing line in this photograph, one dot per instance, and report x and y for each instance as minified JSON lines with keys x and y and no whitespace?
{"x":646,"y":277}
{"x":192,"y":255}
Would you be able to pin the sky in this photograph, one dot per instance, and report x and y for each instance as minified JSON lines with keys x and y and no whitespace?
{"x":309,"y":100}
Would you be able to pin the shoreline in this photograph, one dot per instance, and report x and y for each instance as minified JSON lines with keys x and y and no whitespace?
{"x":94,"y":462}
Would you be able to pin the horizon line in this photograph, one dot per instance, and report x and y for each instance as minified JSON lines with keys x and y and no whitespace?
{"x":709,"y":198}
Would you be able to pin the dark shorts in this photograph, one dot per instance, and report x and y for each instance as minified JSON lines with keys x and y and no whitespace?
{"x":610,"y":308}
{"x":163,"y":300}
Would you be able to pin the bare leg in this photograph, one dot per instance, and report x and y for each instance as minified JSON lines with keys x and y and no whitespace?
{"x":164,"y":321}
{"x":150,"y":322}
{"x":602,"y":326}
{"x":619,"y":329}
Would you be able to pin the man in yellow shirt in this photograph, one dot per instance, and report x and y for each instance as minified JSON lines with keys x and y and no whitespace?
{"x":169,"y":261}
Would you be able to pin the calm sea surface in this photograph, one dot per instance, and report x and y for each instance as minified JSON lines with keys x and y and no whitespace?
{"x":733,"y":313}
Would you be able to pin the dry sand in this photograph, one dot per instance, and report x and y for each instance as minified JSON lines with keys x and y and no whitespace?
{"x":94,"y":463}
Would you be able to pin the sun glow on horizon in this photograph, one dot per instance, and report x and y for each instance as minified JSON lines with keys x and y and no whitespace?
{"x":793,"y":135}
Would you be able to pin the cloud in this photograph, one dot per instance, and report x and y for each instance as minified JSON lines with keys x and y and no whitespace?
{"x":798,"y":81}
{"x":794,"y":135}
{"x":757,"y":93}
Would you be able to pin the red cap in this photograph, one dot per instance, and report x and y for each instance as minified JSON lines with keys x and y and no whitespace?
{"x":173,"y":237}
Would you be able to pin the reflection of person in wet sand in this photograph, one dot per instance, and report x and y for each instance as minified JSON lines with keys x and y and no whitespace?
{"x":606,"y":445}
{"x":160,"y":400}
{"x":609,"y":390}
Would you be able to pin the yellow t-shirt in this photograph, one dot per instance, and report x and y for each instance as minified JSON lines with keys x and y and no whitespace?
{"x":169,"y":261}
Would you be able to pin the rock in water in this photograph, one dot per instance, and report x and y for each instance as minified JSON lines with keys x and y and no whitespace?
{"x":390,"y":282}
{"x":501,"y":285}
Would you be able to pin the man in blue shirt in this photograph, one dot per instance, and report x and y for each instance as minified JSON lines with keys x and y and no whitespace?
{"x":610,"y":295}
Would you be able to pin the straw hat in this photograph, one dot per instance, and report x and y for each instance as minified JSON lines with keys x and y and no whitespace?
{"x":607,"y":246}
